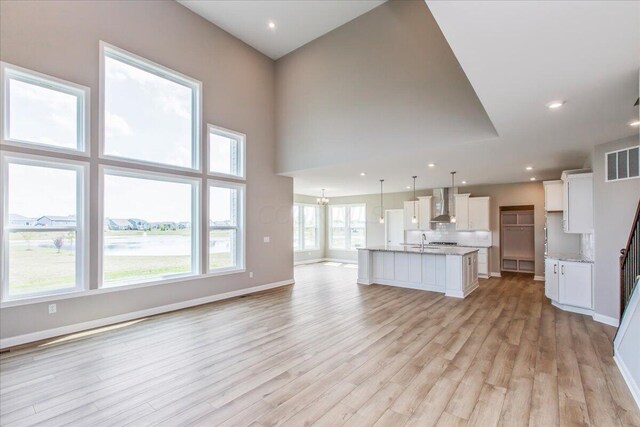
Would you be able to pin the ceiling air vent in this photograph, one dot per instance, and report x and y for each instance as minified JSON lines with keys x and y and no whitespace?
{"x":622,"y":164}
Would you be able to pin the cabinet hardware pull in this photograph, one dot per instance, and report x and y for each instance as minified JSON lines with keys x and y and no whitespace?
{"x":555,"y":268}
{"x":562,"y":268}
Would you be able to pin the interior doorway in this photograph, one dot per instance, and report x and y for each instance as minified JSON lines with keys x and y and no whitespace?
{"x":517,"y":246}
{"x":394,"y":226}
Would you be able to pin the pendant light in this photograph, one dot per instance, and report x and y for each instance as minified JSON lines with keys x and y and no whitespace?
{"x":414,"y":219}
{"x":322,"y":201}
{"x":381,"y":204}
{"x":452,"y":220}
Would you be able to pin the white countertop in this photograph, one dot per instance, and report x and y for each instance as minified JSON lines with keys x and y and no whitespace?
{"x":455,"y":250}
{"x":568,"y":257}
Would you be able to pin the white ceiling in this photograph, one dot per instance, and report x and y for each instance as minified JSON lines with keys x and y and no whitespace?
{"x":297,"y":21}
{"x":519,"y":56}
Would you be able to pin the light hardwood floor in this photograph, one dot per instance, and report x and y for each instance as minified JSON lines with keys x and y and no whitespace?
{"x":329,"y":352}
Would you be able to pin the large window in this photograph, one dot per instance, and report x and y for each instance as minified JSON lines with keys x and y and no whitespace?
{"x":226,"y":226}
{"x":347,"y":227}
{"x":44,"y":226}
{"x":43,"y":111}
{"x":151,"y":181}
{"x":150,"y":113}
{"x":150,"y":227}
{"x":306,"y":219}
{"x":226,"y":152}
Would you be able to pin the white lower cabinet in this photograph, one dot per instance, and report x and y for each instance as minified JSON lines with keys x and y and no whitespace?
{"x":575,"y":284}
{"x":569,"y":283}
{"x":483,"y":262}
{"x":551,"y":279}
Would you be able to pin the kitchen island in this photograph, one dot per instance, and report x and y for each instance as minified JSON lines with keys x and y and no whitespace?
{"x":452,"y":271}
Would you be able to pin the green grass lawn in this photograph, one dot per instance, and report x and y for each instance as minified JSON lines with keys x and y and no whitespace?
{"x":34,"y":268}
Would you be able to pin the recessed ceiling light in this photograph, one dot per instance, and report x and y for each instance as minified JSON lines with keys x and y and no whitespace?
{"x":464,"y":182}
{"x":555,"y":104}
{"x":529,"y":168}
{"x":533,"y":178}
{"x":363,"y":173}
{"x":635,"y":123}
{"x":272,"y":25}
{"x":431,"y":165}
{"x":409,"y":187}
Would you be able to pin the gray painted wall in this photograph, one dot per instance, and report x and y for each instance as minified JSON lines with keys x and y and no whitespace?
{"x":354,"y":90}
{"x":61,"y":39}
{"x":614,"y":204}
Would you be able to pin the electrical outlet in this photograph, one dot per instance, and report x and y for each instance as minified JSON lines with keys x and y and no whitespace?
{"x":251,"y":275}
{"x":53,"y":308}
{"x":266,"y":239}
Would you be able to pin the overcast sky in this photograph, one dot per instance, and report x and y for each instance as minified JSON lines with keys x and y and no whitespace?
{"x":146,"y":117}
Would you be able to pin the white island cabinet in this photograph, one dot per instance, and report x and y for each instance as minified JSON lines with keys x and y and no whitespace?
{"x":452,"y":271}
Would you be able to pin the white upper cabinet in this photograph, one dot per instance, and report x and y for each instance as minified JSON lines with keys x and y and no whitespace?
{"x":472,"y":213}
{"x":424,"y":212}
{"x":479,"y":213}
{"x":577,"y":206}
{"x":553,"y":193}
{"x":411,"y":208}
{"x":462,"y":211}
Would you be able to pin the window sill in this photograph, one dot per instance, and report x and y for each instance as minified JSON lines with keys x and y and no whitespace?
{"x":47,"y":149}
{"x":105,"y":290}
{"x":226,"y":176}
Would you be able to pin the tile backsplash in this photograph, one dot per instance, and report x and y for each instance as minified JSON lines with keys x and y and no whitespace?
{"x":448,"y":233}
{"x":587,"y":245}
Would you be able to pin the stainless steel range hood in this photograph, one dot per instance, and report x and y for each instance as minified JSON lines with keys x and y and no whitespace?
{"x":442,"y":205}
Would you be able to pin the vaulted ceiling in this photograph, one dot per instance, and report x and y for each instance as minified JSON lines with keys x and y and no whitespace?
{"x":463,"y":85}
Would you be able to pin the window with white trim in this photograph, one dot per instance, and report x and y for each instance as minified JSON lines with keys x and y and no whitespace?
{"x":43,"y":111}
{"x":150,"y":227}
{"x":226,"y":226}
{"x":44,"y":232}
{"x":150,"y":114}
{"x":306,"y":220}
{"x":226,"y":152}
{"x":347,"y":227}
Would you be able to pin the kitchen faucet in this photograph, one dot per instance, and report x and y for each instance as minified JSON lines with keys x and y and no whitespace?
{"x":423,"y":240}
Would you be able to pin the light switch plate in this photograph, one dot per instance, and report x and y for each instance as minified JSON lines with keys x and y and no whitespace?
{"x":266,"y":239}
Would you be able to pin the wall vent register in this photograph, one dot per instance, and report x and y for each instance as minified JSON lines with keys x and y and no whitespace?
{"x":623,"y":164}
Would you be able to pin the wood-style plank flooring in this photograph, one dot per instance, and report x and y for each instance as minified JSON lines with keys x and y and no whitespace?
{"x":329,"y":352}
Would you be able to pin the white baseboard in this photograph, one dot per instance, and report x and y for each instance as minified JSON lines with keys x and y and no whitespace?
{"x":461,"y":294}
{"x":538,"y":278}
{"x":573,"y":309}
{"x":343,"y":261}
{"x":92,"y":324}
{"x":309,"y":261}
{"x":607,"y":320}
{"x":493,"y":274}
{"x":628,"y":378}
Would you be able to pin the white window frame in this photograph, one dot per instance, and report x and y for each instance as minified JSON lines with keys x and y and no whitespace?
{"x":81,"y":228}
{"x":228,"y":133}
{"x":82,"y":94}
{"x":347,"y":225}
{"x":196,"y":204}
{"x":606,"y":164}
{"x":151,"y":67}
{"x":301,"y":227}
{"x":240,"y":227}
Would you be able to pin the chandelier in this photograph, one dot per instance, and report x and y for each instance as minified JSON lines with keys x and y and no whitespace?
{"x":323,"y":201}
